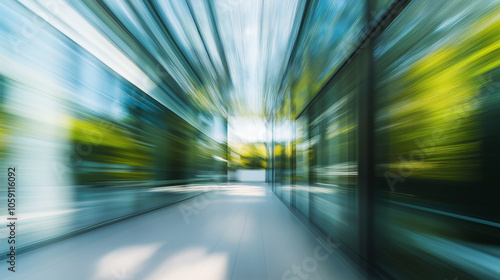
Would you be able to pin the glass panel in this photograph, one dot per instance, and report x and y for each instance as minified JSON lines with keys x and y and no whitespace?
{"x":334,"y":136}
{"x":303,"y":160}
{"x":436,"y":122}
{"x":330,"y":33}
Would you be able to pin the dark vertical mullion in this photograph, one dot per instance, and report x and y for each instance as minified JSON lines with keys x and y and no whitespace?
{"x":366,"y":150}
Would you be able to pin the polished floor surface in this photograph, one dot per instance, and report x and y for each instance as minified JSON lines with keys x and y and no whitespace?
{"x":238,"y":231}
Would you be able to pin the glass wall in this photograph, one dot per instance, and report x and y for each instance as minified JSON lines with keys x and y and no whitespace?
{"x":88,"y":145}
{"x":315,"y":154}
{"x":282,"y":159}
{"x":330,"y":32}
{"x":303,"y":162}
{"x":412,"y":190}
{"x":436,"y":119}
{"x":333,"y":144}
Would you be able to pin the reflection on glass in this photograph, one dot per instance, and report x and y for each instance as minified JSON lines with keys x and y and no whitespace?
{"x":437,"y":118}
{"x":88,"y":144}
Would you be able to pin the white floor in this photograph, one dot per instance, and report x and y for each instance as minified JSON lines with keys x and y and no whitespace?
{"x":240,"y":232}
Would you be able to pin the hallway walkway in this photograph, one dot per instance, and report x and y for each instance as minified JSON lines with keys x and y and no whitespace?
{"x":239,"y":231}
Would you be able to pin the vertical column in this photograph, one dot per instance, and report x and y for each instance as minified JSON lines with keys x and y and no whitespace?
{"x":366,"y":162}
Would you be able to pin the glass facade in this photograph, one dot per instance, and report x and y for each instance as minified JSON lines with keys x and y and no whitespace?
{"x":436,"y":104}
{"x":90,"y":145}
{"x":330,"y":31}
{"x":393,"y":150}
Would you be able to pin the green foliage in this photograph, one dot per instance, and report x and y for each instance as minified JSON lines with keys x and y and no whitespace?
{"x":248,"y":156}
{"x":436,"y":112}
{"x":111,"y":148}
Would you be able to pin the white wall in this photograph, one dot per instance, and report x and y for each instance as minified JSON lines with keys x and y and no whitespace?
{"x":249,"y":175}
